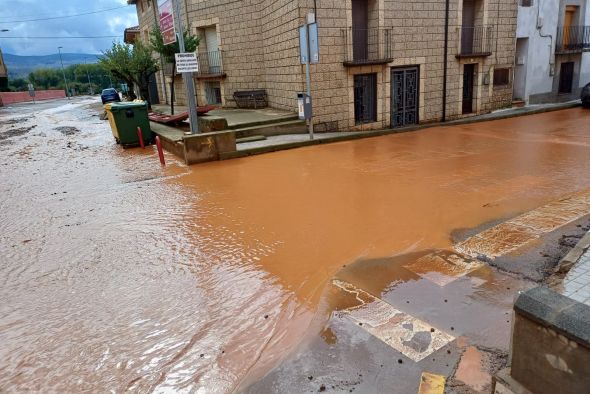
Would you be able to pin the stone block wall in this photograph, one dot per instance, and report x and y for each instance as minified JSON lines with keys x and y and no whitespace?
{"x":550,"y":348}
{"x":260,"y":50}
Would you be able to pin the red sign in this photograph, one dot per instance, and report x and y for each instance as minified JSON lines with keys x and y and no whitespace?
{"x":167,"y":23}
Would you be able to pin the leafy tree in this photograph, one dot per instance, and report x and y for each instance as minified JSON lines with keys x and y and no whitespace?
{"x":18,"y":85}
{"x":131,"y":64}
{"x":143,"y":66}
{"x":168,"y":51}
{"x":117,"y":61}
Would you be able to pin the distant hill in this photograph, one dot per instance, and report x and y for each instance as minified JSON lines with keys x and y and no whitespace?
{"x":21,"y":66}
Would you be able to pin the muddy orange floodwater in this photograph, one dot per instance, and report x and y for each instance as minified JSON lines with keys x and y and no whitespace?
{"x":209,"y":276}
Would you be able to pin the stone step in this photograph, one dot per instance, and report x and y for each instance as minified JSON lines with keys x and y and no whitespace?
{"x":253,"y":138}
{"x":518,"y":103}
{"x":277,"y":119}
{"x":270,"y":129}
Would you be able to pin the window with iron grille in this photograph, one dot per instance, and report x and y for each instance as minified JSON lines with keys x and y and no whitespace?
{"x":526,"y":3}
{"x":501,"y":76}
{"x":365,"y":98}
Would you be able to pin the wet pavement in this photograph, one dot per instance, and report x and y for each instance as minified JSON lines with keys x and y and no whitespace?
{"x":255,"y":274}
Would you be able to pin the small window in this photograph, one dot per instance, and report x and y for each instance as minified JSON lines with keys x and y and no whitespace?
{"x":501,"y":76}
{"x":526,"y":3}
{"x":365,"y":98}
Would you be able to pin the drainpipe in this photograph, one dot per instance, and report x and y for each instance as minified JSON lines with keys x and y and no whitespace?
{"x":539,"y":30}
{"x":163,"y":75}
{"x":445,"y":63}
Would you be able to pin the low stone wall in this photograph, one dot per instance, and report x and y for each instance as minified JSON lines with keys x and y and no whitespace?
{"x":200,"y":148}
{"x":550,"y":351}
{"x":22,"y":97}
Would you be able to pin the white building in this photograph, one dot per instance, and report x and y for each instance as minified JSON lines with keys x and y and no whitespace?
{"x":552,"y":50}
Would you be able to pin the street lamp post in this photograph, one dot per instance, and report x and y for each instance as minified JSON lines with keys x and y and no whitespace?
{"x":64,"y":72}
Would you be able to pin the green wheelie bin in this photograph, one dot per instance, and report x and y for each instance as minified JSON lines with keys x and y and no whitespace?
{"x":126,"y":118}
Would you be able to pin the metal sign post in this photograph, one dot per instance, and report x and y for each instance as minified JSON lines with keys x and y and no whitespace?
{"x":309,"y":52}
{"x":187,"y":76}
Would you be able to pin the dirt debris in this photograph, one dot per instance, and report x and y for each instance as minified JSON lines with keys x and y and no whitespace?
{"x":13,"y":121}
{"x":473,"y":373}
{"x":16,"y":132}
{"x":67,"y":130}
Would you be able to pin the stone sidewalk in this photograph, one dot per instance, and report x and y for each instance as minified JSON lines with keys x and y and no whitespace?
{"x":576,"y":284}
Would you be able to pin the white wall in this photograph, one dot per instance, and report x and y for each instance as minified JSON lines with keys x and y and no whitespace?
{"x":585,"y":65}
{"x":540,"y":49}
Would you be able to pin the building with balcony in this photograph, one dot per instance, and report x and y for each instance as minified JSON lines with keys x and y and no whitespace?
{"x":382,"y":62}
{"x":552,"y":62}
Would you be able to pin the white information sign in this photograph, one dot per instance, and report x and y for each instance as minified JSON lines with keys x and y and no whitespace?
{"x":187,"y":63}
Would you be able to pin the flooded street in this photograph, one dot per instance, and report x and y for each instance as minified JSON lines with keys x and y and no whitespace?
{"x":117,"y":274}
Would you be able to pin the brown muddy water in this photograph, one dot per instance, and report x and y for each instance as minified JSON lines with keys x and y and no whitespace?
{"x":117,"y":274}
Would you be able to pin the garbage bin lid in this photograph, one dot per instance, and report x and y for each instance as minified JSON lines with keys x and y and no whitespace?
{"x":127,"y":105}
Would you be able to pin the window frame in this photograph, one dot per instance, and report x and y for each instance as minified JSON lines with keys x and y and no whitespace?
{"x":360,"y":117}
{"x":502,"y":80}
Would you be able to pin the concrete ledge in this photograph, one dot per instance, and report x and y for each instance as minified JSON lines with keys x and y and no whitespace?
{"x":570,"y":259}
{"x":550,"y":343}
{"x":208,"y":124}
{"x":503,"y":383}
{"x":560,"y":313}
{"x":200,"y":148}
{"x":172,"y":146}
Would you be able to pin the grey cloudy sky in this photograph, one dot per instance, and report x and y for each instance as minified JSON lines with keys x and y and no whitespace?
{"x":107,"y":23}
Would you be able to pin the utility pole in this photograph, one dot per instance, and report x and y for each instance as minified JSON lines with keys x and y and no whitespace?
{"x":188,"y":77}
{"x":63,"y":72}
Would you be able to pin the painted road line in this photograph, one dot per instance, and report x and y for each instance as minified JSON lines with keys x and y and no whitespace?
{"x":408,"y":335}
{"x":443,"y":267}
{"x":497,"y":241}
{"x":431,"y":384}
{"x":526,"y":228}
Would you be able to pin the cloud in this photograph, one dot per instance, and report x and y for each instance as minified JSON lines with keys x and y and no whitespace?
{"x":107,"y":23}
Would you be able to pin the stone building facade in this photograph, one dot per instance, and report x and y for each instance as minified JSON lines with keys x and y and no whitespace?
{"x":381,"y":61}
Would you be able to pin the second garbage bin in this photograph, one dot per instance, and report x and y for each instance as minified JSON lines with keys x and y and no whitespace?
{"x":125,"y":118}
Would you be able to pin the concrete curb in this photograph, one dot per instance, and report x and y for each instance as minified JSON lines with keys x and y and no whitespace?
{"x":379,"y":133}
{"x":570,"y":259}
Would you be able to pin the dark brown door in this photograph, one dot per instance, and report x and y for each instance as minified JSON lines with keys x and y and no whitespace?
{"x":360,"y":33}
{"x":468,"y":79}
{"x":467,"y":26}
{"x":566,"y":77}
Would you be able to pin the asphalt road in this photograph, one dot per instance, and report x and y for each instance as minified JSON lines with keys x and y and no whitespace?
{"x":357,"y":265}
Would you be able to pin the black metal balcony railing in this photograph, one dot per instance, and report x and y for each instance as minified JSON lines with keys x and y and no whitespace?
{"x":573,"y":39}
{"x":210,"y":64}
{"x":367,"y":46}
{"x":475,"y":41}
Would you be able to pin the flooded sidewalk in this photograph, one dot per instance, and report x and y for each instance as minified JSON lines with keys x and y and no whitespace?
{"x":118,"y":274}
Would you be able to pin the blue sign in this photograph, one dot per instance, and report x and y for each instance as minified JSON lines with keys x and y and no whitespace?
{"x":314,"y":44}
{"x":303,"y":50}
{"x":309,"y":52}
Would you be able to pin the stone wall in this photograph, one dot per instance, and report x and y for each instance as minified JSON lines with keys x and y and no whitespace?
{"x":550,"y":348}
{"x":260,"y":50}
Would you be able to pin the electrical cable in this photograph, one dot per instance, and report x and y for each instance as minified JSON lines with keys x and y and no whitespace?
{"x":65,"y":16}
{"x":56,"y":38}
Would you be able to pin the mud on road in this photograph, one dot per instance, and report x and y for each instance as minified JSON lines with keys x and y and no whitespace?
{"x":118,"y":274}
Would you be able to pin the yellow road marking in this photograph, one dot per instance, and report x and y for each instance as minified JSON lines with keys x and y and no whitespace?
{"x":431,"y":384}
